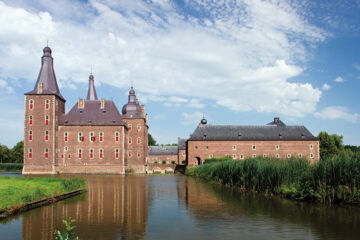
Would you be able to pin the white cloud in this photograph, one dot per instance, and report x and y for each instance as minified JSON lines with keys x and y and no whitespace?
{"x":339,"y":79}
{"x":191,"y":118}
{"x":326,"y":86}
{"x":357,"y":66}
{"x":5,"y":86}
{"x":337,"y":112}
{"x":239,"y":56}
{"x":195,"y":103}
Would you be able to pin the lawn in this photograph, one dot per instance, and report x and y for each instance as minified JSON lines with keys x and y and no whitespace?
{"x":18,"y":191}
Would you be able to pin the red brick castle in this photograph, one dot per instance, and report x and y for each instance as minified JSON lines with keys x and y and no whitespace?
{"x":93,"y":137}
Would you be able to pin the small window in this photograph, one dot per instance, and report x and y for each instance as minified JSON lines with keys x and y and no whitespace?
{"x":130,"y":140}
{"x":211,"y":156}
{"x":241,"y":156}
{"x":101,"y":153}
{"x":80,"y":153}
{"x":66,"y":136}
{"x":196,"y":147}
{"x":30,"y":135}
{"x":311,"y":155}
{"x":234,"y":156}
{"x":138,"y":154}
{"x":277,"y":156}
{"x":92,"y":137}
{"x":65,"y":149}
{"x":253,"y":147}
{"x":69,"y":156}
{"x":234,"y":147}
{"x":91,"y":153}
{"x":30,"y":120}
{"x":46,"y":152}
{"x":300,"y":155}
{"x":30,"y":152}
{"x":47,"y":104}
{"x":207,"y":147}
{"x":311,"y":147}
{"x":31,"y":104}
{"x":130,"y":154}
{"x":277,"y":147}
{"x":138,"y":127}
{"x":288,"y":155}
{"x":80,"y":137}
{"x":138,"y":140}
{"x":46,"y":120}
{"x":129,"y":127}
{"x":116,"y":136}
{"x":46,"y":135}
{"x":116,"y":153}
{"x":254,"y":155}
{"x":101,"y":136}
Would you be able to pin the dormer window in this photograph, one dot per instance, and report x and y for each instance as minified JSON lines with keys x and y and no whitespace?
{"x":47,"y":104}
{"x":46,"y":120}
{"x":31,"y":104}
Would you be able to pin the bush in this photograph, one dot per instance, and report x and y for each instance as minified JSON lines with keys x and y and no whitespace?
{"x":213,"y":160}
{"x":172,"y":162}
{"x":11,"y":166}
{"x":163,"y":162}
{"x":183,"y":162}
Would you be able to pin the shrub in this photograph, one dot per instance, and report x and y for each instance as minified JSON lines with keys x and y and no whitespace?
{"x":163,"y":162}
{"x":173,"y":162}
{"x":213,"y":160}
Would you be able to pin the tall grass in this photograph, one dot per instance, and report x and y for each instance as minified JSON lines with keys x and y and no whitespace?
{"x":330,"y":180}
{"x":18,"y":191}
{"x":11,"y":167}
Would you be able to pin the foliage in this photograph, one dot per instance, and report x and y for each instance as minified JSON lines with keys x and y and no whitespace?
{"x":163,"y":162}
{"x":330,"y":145}
{"x":213,"y":160}
{"x":68,"y":234}
{"x":151,"y":140}
{"x":15,"y":191}
{"x":11,"y":167}
{"x":169,"y":144}
{"x":173,"y":162}
{"x":335,"y":179}
{"x":156,"y":162}
{"x":183,"y":162}
{"x":13,"y":155}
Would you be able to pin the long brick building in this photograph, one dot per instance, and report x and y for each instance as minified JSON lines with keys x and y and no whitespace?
{"x":275,"y":139}
{"x":93,"y":137}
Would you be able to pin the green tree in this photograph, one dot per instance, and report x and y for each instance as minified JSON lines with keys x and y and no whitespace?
{"x":17,"y":153}
{"x":5,"y":154}
{"x":330,"y":145}
{"x":151,"y":140}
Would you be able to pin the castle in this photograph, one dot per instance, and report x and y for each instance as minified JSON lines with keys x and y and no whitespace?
{"x":93,"y":137}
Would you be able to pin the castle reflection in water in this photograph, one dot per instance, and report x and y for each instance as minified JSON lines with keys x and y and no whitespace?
{"x":114,"y":207}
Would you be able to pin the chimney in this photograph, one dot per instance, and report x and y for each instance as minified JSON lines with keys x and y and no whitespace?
{"x":81,"y":103}
{"x":102,"y":105}
{"x":40,"y":88}
{"x":143,"y":110}
{"x":276,"y":119}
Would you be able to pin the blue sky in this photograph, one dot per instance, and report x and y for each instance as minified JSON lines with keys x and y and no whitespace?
{"x":237,"y":62}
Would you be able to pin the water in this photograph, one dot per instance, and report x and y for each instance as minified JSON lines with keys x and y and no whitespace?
{"x":177,"y":207}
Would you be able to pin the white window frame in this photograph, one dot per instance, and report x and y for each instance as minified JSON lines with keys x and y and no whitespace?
{"x":253,"y":147}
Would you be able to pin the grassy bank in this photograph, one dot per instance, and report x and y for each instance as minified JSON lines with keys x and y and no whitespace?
{"x":330,"y":180}
{"x":18,"y":191}
{"x":10,"y":167}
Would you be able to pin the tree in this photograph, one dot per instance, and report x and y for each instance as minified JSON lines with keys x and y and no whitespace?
{"x":330,"y":145}
{"x":151,"y":140}
{"x":17,"y":153}
{"x":5,"y":154}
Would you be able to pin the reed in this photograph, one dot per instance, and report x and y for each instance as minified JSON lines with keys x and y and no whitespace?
{"x":11,"y":167}
{"x":335,"y":179}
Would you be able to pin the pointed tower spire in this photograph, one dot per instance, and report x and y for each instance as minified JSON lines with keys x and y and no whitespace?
{"x":46,"y":82}
{"x":91,"y":92}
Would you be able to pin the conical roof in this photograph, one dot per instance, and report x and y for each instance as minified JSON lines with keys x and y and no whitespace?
{"x":91,"y":91}
{"x":46,"y":82}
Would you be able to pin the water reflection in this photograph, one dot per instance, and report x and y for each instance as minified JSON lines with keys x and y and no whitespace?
{"x":114,"y":207}
{"x":177,"y":207}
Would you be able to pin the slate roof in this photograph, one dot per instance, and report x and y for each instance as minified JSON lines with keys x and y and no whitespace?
{"x":132,"y":109}
{"x":92,"y":114}
{"x":270,"y":131}
{"x":47,"y":77}
{"x":91,"y":91}
{"x":182,"y":143}
{"x":163,"y":150}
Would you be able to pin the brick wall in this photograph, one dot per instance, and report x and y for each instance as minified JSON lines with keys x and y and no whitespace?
{"x":198,"y":151}
{"x":181,"y":156}
{"x":160,"y":158}
{"x":107,"y":156}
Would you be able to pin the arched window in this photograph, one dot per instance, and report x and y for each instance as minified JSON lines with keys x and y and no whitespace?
{"x":138,"y":154}
{"x":101,"y":136}
{"x":130,"y":154}
{"x":91,"y":153}
{"x":116,"y":136}
{"x":30,"y":120}
{"x":46,"y":135}
{"x":138,"y":140}
{"x":30,"y":135}
{"x":130,"y":140}
{"x":80,"y":153}
{"x":81,"y":137}
{"x":46,"y":152}
{"x":138,"y":127}
{"x":47,"y":104}
{"x":101,"y":153}
{"x":66,"y":135}
{"x":47,"y":120}
{"x":31,"y":104}
{"x":116,"y":153}
{"x":30,"y":152}
{"x":92,"y":137}
{"x":129,"y":127}
{"x":277,"y":147}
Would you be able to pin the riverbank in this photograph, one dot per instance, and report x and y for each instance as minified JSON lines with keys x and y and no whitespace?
{"x":17,"y":192}
{"x":11,"y":167}
{"x":333,"y":180}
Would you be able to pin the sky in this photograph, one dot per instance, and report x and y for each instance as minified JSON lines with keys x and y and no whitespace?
{"x":235,"y":62}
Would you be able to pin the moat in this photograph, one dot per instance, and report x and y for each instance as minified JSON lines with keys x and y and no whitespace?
{"x":180,"y":207}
